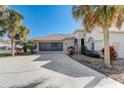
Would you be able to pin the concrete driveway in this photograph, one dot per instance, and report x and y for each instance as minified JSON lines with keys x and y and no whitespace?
{"x":50,"y":70}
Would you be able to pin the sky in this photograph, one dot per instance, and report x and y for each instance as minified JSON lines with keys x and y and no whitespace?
{"x":45,"y":19}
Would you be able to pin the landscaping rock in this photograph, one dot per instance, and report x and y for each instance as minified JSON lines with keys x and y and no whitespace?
{"x":117,"y":71}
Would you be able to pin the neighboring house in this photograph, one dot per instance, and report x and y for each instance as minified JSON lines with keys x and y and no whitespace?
{"x":92,"y":41}
{"x":4,"y":45}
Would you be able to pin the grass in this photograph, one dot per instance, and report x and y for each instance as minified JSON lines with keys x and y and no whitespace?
{"x":5,"y":53}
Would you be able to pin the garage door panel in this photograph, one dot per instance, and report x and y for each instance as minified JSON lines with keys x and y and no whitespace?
{"x":44,"y":46}
{"x":51,"y":46}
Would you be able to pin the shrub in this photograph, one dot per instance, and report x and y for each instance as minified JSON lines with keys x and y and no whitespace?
{"x":70,"y":50}
{"x":26,"y":45}
{"x":25,"y":49}
{"x":31,"y":47}
{"x":18,"y":50}
{"x":113,"y":53}
{"x":90,"y":53}
{"x":94,"y":54}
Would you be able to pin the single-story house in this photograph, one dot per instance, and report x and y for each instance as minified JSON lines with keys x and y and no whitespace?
{"x":92,"y":41}
{"x":54,"y":42}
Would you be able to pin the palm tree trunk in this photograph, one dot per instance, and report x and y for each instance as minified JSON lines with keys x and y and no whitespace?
{"x":106,"y":48}
{"x":12,"y":47}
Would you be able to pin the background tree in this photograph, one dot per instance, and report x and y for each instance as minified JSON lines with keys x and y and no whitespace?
{"x":100,"y":16}
{"x":2,"y":17}
{"x":22,"y":36}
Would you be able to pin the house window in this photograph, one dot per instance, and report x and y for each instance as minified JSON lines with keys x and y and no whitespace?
{"x":91,"y":43}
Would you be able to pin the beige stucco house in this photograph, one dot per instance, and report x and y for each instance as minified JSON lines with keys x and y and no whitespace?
{"x":79,"y":38}
{"x":54,"y":42}
{"x":116,"y":38}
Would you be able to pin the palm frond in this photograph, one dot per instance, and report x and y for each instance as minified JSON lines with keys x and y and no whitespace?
{"x":77,"y":12}
{"x":99,"y":16}
{"x":23,"y":31}
{"x":2,"y":32}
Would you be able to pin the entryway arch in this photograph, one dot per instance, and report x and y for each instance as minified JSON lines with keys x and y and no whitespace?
{"x":91,"y":43}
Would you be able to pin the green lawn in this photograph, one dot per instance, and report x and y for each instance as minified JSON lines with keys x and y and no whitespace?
{"x":5,"y":53}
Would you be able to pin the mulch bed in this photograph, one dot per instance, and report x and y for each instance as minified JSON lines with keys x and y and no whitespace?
{"x":116,"y":72}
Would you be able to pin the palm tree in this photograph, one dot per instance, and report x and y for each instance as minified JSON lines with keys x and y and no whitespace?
{"x":100,"y":16}
{"x":14,"y":20}
{"x":12,"y":25}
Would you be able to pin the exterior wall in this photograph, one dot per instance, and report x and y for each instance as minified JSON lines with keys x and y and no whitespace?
{"x":98,"y":45}
{"x":98,"y":40}
{"x":79,"y":36}
{"x":116,"y":40}
{"x":67,"y":43}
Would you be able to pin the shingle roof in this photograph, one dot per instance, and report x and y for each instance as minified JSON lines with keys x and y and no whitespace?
{"x":54,"y":37}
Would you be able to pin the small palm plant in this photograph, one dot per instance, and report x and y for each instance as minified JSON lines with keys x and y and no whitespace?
{"x":103,"y":16}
